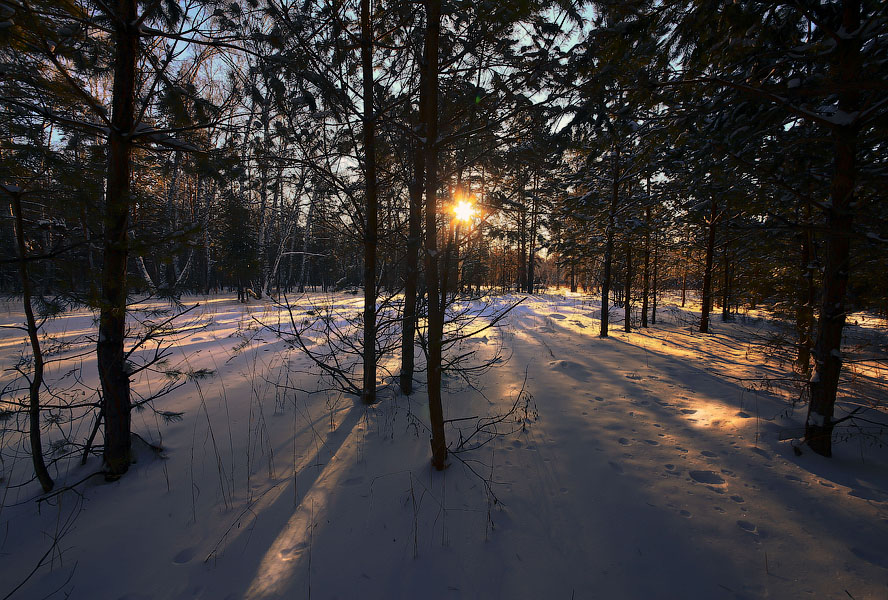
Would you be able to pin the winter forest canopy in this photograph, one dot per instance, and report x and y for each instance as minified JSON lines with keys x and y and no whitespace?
{"x":389,"y":207}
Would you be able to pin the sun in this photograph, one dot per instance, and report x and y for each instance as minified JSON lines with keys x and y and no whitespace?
{"x":463,"y":210}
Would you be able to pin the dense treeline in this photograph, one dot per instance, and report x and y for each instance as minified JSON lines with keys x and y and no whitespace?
{"x":270,"y":147}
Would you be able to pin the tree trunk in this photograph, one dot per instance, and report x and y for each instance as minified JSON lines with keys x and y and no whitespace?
{"x":726,"y":280}
{"x":646,"y":275}
{"x":306,"y":236}
{"x":609,"y":247}
{"x":414,"y":234}
{"x":36,"y":380}
{"x":113,"y":373}
{"x":371,"y":209}
{"x":531,"y":255}
{"x":436,"y":311}
{"x":205,"y":194}
{"x":824,"y":381}
{"x":654,"y":291}
{"x":805,"y":309}
{"x":627,"y":303}
{"x":170,"y":272}
{"x":706,"y":293}
{"x":522,"y":247}
{"x":687,"y":260}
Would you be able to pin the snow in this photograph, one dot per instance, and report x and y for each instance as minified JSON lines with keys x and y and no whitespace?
{"x":645,"y":465}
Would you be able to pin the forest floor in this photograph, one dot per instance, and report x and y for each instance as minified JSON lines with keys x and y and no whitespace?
{"x":645,"y":465}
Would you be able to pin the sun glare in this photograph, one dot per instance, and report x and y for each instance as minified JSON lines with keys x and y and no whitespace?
{"x":463,"y":210}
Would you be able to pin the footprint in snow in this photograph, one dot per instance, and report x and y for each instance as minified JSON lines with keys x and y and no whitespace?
{"x":652,"y":442}
{"x":746,"y":526}
{"x":761,"y":452}
{"x":557,"y":316}
{"x":624,"y":441}
{"x":184,"y":556}
{"x":710,"y":477}
{"x":688,"y":411}
{"x":743,"y":415}
{"x":708,"y":453}
{"x":615,"y":466}
{"x":738,"y":499}
{"x":685,"y":514}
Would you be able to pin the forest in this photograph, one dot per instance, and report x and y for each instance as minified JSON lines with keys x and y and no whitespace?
{"x":257,"y":253}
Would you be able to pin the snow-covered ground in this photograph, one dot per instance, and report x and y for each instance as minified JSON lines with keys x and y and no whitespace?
{"x":646,"y":465}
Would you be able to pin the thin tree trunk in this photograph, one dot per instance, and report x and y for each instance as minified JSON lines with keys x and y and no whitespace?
{"x":368,"y":391}
{"x":646,"y":275}
{"x":112,"y":317}
{"x":436,"y":310}
{"x":208,"y":267}
{"x":522,"y":248}
{"x":726,"y":281}
{"x":414,"y":234}
{"x":36,"y":380}
{"x":687,"y":260}
{"x":824,"y":381}
{"x":171,"y":273}
{"x":807,"y":296}
{"x":609,"y":246}
{"x":706,"y":293}
{"x":627,"y":303}
{"x":531,"y":258}
{"x":654,"y":294}
{"x":306,"y":235}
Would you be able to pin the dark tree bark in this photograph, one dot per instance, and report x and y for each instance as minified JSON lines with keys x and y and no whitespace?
{"x":706,"y":293}
{"x":824,"y":381}
{"x":627,"y":302}
{"x":531,"y":238}
{"x":36,"y":380}
{"x":687,"y":260}
{"x":414,"y":235}
{"x":727,"y":268}
{"x":436,"y":310}
{"x":522,"y":248}
{"x":646,"y":274}
{"x":113,"y":373}
{"x":609,"y":246}
{"x":807,"y":295}
{"x":371,"y":208}
{"x":654,"y":290}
